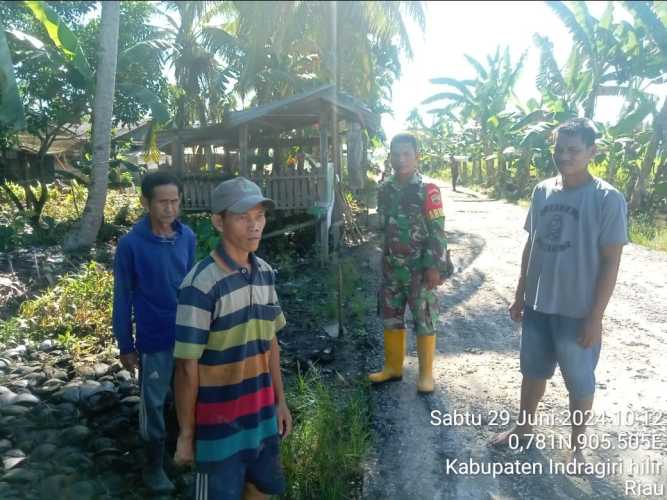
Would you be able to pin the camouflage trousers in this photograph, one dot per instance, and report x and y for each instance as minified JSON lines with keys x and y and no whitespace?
{"x":405,"y":288}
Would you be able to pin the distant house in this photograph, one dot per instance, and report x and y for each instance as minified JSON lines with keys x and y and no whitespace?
{"x":20,"y":163}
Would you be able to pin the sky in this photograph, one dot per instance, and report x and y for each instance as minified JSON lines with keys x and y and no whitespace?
{"x":477,"y":28}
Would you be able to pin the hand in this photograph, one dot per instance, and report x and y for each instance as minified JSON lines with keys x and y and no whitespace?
{"x":590,"y":332}
{"x":130,"y":361}
{"x":185,"y":450}
{"x":516,"y":309}
{"x":284,"y":418}
{"x":432,"y":278}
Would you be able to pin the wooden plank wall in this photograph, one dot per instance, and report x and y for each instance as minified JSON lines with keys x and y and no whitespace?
{"x":296,"y":191}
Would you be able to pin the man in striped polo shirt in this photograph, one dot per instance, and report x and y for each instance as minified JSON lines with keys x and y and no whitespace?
{"x":229,"y":391}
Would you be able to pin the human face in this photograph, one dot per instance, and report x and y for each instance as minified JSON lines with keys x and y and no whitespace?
{"x":164,"y":206}
{"x":242,"y":232}
{"x":403,"y":159}
{"x":571,"y":155}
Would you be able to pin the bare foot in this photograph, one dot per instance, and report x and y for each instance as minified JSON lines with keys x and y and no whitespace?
{"x":504,"y":439}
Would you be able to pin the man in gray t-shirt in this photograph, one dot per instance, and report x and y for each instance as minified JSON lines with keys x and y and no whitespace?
{"x":577,"y":226}
{"x":567,"y":229}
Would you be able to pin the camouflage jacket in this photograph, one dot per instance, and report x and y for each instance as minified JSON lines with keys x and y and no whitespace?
{"x":413,"y":222}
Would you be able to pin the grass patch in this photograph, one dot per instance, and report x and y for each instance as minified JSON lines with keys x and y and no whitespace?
{"x":76,"y":311}
{"x":322,"y":457}
{"x":355,"y":300}
{"x":645,"y":230}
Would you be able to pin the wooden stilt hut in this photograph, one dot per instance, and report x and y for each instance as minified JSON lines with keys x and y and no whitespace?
{"x":256,"y":143}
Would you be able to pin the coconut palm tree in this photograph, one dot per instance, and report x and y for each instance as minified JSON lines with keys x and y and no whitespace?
{"x":351,"y":44}
{"x":84,"y":234}
{"x":196,"y":53}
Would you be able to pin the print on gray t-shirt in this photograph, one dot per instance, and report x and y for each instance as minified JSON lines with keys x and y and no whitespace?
{"x":568,"y":228}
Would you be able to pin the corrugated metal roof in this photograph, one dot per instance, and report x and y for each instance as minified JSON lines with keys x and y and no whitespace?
{"x":294,"y":112}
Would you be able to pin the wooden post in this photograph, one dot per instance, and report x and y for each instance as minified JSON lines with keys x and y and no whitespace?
{"x":177,"y":157}
{"x":324,"y":161}
{"x":337,"y":216}
{"x":227,"y":161}
{"x":464,"y":171}
{"x":335,"y":144}
{"x":243,"y":150}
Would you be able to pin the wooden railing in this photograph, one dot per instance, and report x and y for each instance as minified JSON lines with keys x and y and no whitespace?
{"x":201,"y":162}
{"x":298,"y":190}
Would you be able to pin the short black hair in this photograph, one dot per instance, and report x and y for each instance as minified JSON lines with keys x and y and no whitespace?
{"x":159,"y":178}
{"x":578,"y":127}
{"x":404,"y":138}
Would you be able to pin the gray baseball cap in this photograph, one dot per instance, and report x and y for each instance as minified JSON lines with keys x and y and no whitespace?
{"x":238,"y":195}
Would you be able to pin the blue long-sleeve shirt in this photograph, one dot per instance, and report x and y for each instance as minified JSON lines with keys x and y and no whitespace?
{"x":148,"y":270}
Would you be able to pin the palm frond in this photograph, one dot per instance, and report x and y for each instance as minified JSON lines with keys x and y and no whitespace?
{"x":549,"y":76}
{"x":477,"y":65}
{"x":570,"y":21}
{"x":655,"y":27}
{"x":444,"y":96}
{"x":632,"y":120}
{"x":461,"y":86}
{"x":607,"y":16}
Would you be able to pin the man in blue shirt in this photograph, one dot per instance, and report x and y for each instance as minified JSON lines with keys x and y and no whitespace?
{"x":150,"y":263}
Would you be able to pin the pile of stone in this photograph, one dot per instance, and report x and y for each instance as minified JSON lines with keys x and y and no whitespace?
{"x":68,"y":430}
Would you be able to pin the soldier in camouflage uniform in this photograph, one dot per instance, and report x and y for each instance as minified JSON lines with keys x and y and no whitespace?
{"x":414,"y":261}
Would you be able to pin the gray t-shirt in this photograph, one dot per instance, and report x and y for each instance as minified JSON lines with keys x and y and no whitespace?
{"x":568,"y":228}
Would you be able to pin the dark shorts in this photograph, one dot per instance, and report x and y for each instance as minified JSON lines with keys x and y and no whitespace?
{"x":550,"y":339}
{"x":265,"y":473}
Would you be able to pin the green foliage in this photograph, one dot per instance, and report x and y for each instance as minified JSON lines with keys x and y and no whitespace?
{"x":77,"y":307}
{"x":322,"y":456}
{"x":355,"y":301}
{"x":207,"y":235}
{"x":53,"y":45}
{"x":645,"y":230}
{"x":11,"y":107}
{"x":307,"y":49}
{"x":608,"y":58}
{"x":62,"y":37}
{"x":12,"y":331}
{"x":61,"y":211}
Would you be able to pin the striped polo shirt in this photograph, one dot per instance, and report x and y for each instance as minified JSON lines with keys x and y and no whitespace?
{"x":227,"y":317}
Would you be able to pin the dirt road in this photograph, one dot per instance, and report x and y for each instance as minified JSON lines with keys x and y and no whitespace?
{"x":477,"y":374}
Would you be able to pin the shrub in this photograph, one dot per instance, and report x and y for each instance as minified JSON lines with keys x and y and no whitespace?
{"x":79,"y":305}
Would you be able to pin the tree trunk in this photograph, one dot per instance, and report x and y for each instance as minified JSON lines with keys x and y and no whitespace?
{"x":486,"y":147}
{"x":612,"y":166}
{"x":477,"y":171}
{"x":490,"y":172}
{"x":639,"y":191}
{"x":84,"y":234}
{"x":523,"y":169}
{"x":501,"y":173}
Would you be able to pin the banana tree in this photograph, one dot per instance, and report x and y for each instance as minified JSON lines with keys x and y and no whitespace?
{"x":56,"y":79}
{"x":653,"y":19}
{"x":11,"y":108}
{"x":485,"y":97}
